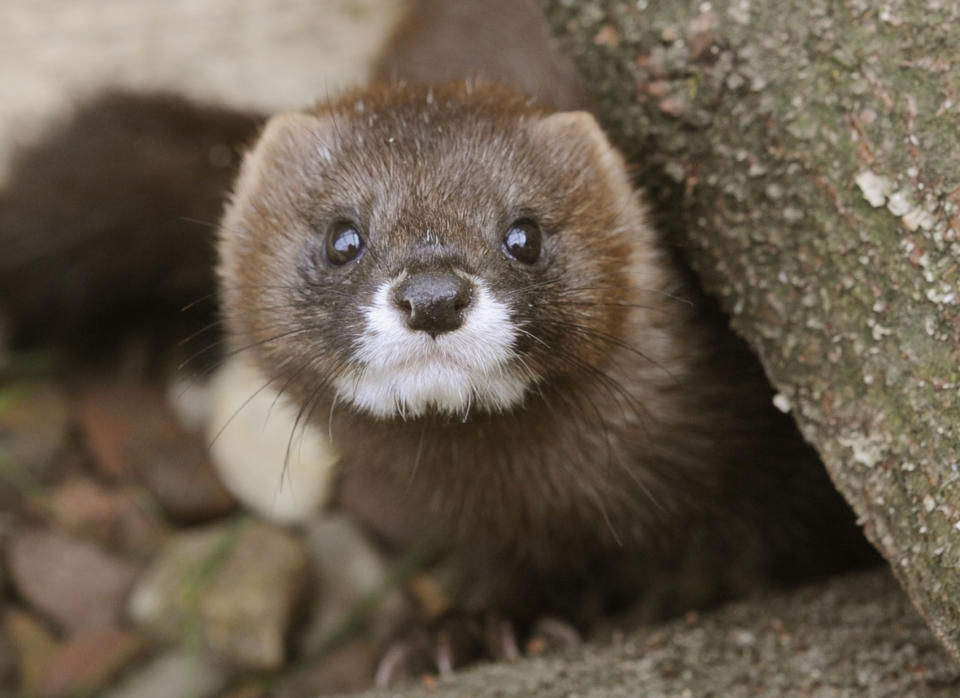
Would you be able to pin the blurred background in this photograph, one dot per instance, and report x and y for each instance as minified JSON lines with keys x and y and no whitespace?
{"x":260,"y":54}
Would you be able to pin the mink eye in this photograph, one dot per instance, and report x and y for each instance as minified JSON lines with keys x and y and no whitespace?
{"x":344,"y":243}
{"x":522,"y":241}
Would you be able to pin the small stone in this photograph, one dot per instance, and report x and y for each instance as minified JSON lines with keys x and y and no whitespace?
{"x":234,"y":585}
{"x":607,"y":36}
{"x":34,"y":647}
{"x":782,"y":403}
{"x":112,"y":515}
{"x":107,"y":418}
{"x":87,"y":660}
{"x":189,"y":398}
{"x":347,"y":669}
{"x":278,"y":468}
{"x":346,"y":568}
{"x":670,"y":33}
{"x":34,"y":428}
{"x":672,"y":106}
{"x":249,"y":692}
{"x":175,"y":467}
{"x":72,"y":582}
{"x":131,"y":431}
{"x":179,"y":673}
{"x":8,"y":662}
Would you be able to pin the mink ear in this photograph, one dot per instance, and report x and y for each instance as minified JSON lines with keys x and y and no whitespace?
{"x":292,"y":136}
{"x":573,"y":124}
{"x":294,"y":142}
{"x":580,"y":127}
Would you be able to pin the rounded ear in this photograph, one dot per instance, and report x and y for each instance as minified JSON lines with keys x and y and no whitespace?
{"x":572,"y":129}
{"x":294,"y":142}
{"x":292,"y":136}
{"x":579,"y":124}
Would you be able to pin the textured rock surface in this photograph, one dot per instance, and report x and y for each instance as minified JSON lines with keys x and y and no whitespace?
{"x":34,"y":424}
{"x":87,"y":660}
{"x":346,"y":571}
{"x":231,"y":586}
{"x":134,"y":435}
{"x":806,"y":153}
{"x":178,"y":673}
{"x":108,"y":514}
{"x":8,"y":661}
{"x":34,"y":645}
{"x":72,"y":582}
{"x":856,"y":636}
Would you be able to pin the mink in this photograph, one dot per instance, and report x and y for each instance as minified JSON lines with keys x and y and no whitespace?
{"x":454,"y":276}
{"x":459,"y":284}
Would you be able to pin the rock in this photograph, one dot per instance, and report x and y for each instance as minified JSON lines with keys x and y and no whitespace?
{"x":179,"y":673}
{"x":248,"y":692}
{"x":347,"y":570}
{"x":234,"y":585}
{"x":107,"y":418}
{"x":345,"y":670}
{"x":275,"y":466}
{"x":34,"y":646}
{"x":4,"y":533}
{"x":8,"y":662}
{"x":130,"y":430}
{"x":175,"y":467}
{"x":87,"y":660}
{"x":34,"y":429}
{"x":857,"y":635}
{"x":112,"y":515}
{"x":72,"y":582}
{"x":190,"y":399}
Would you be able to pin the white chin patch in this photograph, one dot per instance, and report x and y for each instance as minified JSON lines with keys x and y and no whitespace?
{"x":400,"y":372}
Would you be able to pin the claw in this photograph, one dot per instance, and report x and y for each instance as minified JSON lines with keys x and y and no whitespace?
{"x":458,"y":639}
{"x":404,"y":659}
{"x":501,"y":638}
{"x":557,"y":634}
{"x":457,"y":642}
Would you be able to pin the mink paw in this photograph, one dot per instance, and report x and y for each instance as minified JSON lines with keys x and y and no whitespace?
{"x":458,"y":639}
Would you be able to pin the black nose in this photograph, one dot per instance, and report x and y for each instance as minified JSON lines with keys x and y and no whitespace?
{"x":433,"y":301}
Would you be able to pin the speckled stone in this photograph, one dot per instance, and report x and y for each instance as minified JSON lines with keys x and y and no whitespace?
{"x":232,"y":585}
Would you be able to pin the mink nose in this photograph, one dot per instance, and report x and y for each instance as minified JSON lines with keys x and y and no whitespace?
{"x":433,"y":301}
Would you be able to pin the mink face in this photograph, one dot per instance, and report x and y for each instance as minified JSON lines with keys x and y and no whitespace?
{"x":411,"y":252}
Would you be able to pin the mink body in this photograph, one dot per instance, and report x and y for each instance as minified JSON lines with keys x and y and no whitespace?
{"x":620,"y":422}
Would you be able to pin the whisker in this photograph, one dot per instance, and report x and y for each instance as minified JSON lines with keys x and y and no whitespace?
{"x":237,"y":412}
{"x":416,"y":460}
{"x":592,"y":335}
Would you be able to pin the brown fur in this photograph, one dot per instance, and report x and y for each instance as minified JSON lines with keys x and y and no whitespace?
{"x":502,"y":40}
{"x":106,"y":225}
{"x":650,"y":426}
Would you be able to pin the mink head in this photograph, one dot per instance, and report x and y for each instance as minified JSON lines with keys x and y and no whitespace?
{"x":412,"y":251}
